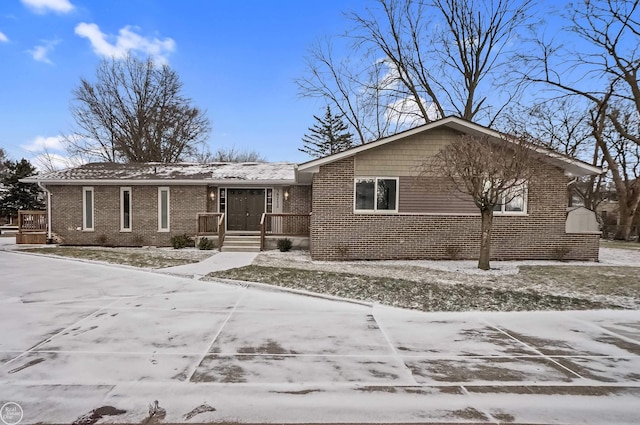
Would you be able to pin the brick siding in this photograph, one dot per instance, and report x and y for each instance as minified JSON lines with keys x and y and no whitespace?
{"x":337,"y":233}
{"x":66,"y":204}
{"x":299,"y":201}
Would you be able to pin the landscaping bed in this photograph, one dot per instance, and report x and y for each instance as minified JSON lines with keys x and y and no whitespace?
{"x":154,"y":258}
{"x":458,"y":285}
{"x":419,"y":295}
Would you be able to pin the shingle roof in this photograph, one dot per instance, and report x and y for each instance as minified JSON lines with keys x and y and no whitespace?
{"x":214,"y":172}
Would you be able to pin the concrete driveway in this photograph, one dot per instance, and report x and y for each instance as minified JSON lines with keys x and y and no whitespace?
{"x":76,"y":336}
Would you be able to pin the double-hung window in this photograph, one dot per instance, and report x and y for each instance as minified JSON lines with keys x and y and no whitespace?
{"x":125,"y":209}
{"x":514,"y":201}
{"x":88,"y":203}
{"x":376,"y":194}
{"x":163,"y":209}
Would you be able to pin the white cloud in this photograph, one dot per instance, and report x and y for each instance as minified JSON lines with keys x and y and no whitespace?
{"x":48,"y":154}
{"x":126,"y":41}
{"x":44,"y":6}
{"x":42,"y":143}
{"x":41,"y":52}
{"x":405,"y":113}
{"x":3,"y":38}
{"x":47,"y":162}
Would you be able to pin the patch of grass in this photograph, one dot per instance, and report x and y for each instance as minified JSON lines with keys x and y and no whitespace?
{"x":141,"y":258}
{"x":423,"y":296}
{"x":605,"y":243}
{"x":601,"y":280}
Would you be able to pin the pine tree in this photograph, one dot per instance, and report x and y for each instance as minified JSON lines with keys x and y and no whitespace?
{"x":16,"y":195}
{"x":328,"y":136}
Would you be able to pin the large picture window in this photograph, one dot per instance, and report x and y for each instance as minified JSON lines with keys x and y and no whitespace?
{"x":514,"y":201}
{"x":163,"y":209}
{"x":88,"y":203}
{"x":125,"y":209}
{"x":376,"y":194}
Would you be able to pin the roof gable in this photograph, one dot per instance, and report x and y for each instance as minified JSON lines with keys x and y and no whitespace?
{"x":572,"y":167}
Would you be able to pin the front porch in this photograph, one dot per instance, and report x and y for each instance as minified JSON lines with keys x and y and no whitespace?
{"x":273,"y":226}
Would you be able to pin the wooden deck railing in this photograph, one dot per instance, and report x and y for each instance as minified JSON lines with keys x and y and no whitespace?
{"x":32,"y":221}
{"x":221,"y":231}
{"x":32,"y":227}
{"x":210,"y":224}
{"x":273,"y":224}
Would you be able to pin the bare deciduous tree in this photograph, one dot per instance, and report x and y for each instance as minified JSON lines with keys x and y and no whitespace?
{"x":604,"y":72}
{"x":230,"y":155}
{"x":411,"y":62}
{"x":350,"y":85}
{"x":564,"y":125}
{"x":135,"y":112}
{"x":492,"y":172}
{"x":623,"y":159}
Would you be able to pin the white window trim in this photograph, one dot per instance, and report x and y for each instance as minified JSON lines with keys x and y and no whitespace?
{"x":525,"y":205}
{"x":160,"y":190}
{"x":122,"y":228}
{"x":375,"y":209}
{"x":85,"y":228}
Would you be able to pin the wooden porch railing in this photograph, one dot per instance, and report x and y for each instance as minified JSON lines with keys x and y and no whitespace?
{"x":210,"y":224}
{"x":32,"y":227}
{"x":32,"y":221}
{"x":272,"y":224}
{"x":221,"y":231}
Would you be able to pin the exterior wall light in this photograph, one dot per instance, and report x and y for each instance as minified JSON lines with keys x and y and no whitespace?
{"x":286,"y":195}
{"x":212,"y":195}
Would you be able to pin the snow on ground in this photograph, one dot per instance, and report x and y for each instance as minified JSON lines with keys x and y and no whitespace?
{"x":503,"y":275}
{"x":608,"y":257}
{"x":77,"y":336}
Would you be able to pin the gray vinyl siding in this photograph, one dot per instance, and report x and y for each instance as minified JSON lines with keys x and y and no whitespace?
{"x":432,"y":196}
{"x":403,"y":157}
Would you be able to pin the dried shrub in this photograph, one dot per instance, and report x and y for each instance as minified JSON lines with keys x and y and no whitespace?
{"x":206,"y":244}
{"x":560,"y":252}
{"x":138,"y":240}
{"x":101,"y":239}
{"x":453,"y":251}
{"x":182,"y":241}
{"x":285,"y":244}
{"x":342,"y":251}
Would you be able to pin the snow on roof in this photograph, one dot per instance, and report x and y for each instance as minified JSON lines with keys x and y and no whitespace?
{"x":215,"y":171}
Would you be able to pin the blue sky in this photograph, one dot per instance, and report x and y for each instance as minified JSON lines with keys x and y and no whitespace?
{"x":237,"y":60}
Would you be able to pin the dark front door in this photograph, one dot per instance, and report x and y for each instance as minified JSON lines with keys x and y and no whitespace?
{"x":244,"y":209}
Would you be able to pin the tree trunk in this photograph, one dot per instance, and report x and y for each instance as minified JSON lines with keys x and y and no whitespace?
{"x":485,"y":239}
{"x":627,"y":209}
{"x":623,"y":230}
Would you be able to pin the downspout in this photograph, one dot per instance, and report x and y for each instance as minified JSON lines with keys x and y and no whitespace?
{"x":49,"y":235}
{"x":569,"y":192}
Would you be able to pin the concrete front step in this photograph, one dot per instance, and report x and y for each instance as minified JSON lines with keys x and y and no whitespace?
{"x":235,"y":248}
{"x":241,"y":243}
